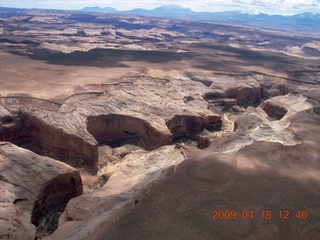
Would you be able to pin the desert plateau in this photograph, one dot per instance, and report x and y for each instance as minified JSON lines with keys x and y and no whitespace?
{"x":139,"y":127}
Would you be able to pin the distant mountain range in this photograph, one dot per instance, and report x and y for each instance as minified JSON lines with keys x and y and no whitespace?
{"x":304,"y":22}
{"x":163,"y":11}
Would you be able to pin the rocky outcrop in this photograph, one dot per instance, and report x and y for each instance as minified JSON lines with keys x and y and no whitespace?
{"x":245,"y":89}
{"x":57,"y":192}
{"x":130,"y":182}
{"x":174,"y":85}
{"x":46,"y":130}
{"x":272,"y":86}
{"x":223,"y":103}
{"x":213,"y":122}
{"x":256,"y":125}
{"x":203,"y":141}
{"x":147,"y":113}
{"x":274,"y":110}
{"x":185,"y":125}
{"x":150,"y":112}
{"x":285,"y":107}
{"x":254,"y":178}
{"x":31,"y":187}
{"x":15,"y":222}
{"x":250,"y":89}
{"x":189,"y":125}
{"x":10,"y":125}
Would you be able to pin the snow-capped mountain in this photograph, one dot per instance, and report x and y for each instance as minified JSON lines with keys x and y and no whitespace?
{"x":304,"y":22}
{"x":251,"y":12}
{"x":309,"y":15}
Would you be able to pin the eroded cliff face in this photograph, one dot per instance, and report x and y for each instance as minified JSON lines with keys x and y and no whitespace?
{"x":185,"y":125}
{"x":128,"y":100}
{"x":131,"y":181}
{"x":244,"y":89}
{"x":55,"y":194}
{"x":262,"y":175}
{"x":148,"y":112}
{"x":115,"y":114}
{"x":31,"y":187}
{"x":117,"y":129}
{"x":43,"y":131}
{"x":274,"y":110}
{"x":10,"y":125}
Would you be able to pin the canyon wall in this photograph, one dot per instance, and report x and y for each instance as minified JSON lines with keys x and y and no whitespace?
{"x":31,"y":186}
{"x":113,"y":129}
{"x":60,"y":140}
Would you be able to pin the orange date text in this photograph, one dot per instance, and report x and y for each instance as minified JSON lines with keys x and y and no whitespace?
{"x":263,"y":214}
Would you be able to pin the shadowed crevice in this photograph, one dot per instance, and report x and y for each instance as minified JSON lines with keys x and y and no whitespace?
{"x":115,"y":130}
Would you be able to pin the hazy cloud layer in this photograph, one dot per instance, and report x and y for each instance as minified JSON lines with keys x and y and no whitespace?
{"x":268,"y":6}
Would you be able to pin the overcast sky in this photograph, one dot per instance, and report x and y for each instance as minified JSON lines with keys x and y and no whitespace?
{"x":267,"y":6}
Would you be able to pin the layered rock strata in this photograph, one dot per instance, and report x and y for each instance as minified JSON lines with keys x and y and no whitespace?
{"x":149,"y":113}
{"x":245,"y":89}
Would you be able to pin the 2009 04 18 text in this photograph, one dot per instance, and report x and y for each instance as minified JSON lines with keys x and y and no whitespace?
{"x":263,"y":214}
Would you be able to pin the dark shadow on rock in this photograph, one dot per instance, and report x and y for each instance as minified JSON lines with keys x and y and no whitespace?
{"x":261,"y":177}
{"x":182,"y":206}
{"x":105,"y":57}
{"x":222,"y":57}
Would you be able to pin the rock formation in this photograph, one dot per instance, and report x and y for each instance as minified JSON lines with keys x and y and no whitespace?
{"x":32,"y":187}
{"x":256,"y":124}
{"x":245,"y":89}
{"x":112,"y":95}
{"x":151,"y":112}
{"x":120,"y":112}
{"x":148,"y":112}
{"x":112,"y":128}
{"x":9,"y":125}
{"x":260,"y":167}
{"x":130,"y":182}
